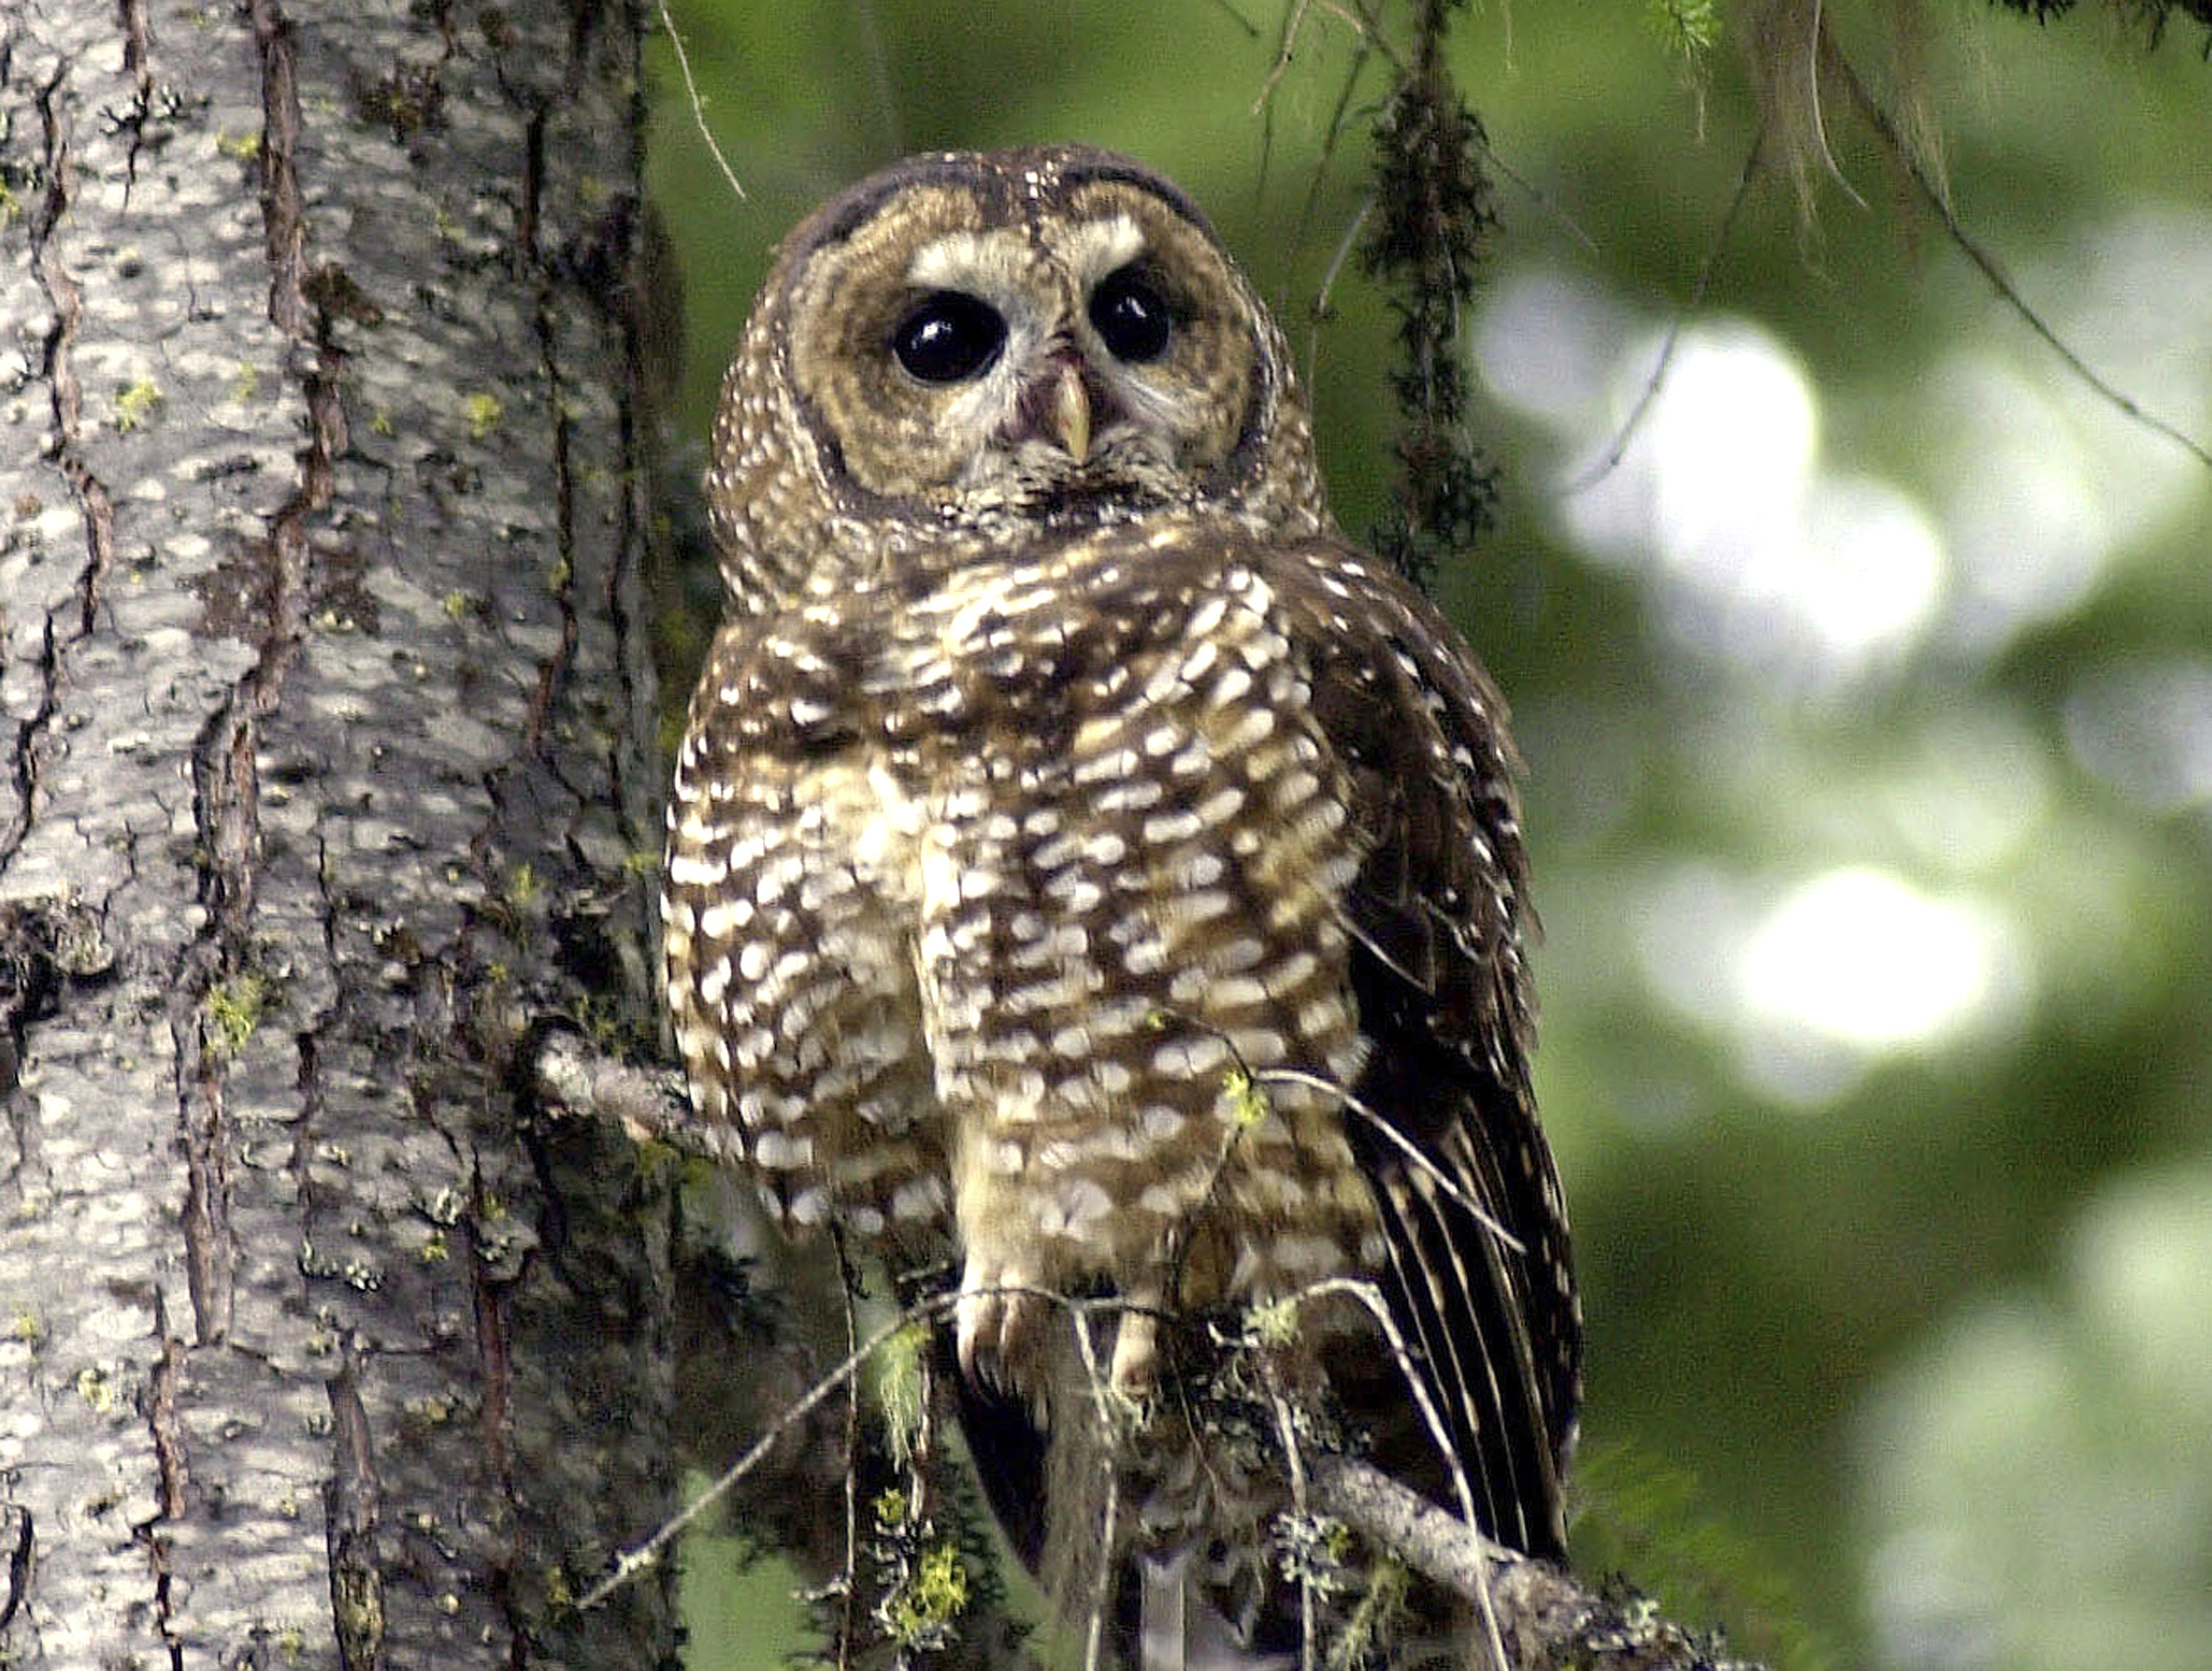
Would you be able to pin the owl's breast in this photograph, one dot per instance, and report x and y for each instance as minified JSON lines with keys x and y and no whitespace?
{"x":789,"y":918}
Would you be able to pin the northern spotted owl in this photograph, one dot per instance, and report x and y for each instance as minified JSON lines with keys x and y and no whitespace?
{"x":1089,"y":872}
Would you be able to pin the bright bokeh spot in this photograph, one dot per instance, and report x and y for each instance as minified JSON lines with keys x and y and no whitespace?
{"x":1814,"y":983}
{"x":1861,"y":956}
{"x":2023,"y":522}
{"x":1758,"y":552}
{"x":2145,"y":729}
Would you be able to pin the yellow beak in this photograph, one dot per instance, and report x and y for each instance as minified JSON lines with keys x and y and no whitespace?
{"x":1071,"y":414}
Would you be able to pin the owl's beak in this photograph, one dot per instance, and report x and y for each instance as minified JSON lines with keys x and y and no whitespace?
{"x":1069,"y":418}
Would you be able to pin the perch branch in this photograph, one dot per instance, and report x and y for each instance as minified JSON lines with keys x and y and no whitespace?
{"x":1547,"y":1619}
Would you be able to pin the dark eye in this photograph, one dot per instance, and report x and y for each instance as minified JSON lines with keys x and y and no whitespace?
{"x":949,"y":337}
{"x":1131,"y":316}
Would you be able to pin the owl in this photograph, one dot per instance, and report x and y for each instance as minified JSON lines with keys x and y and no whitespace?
{"x":1092,"y":876}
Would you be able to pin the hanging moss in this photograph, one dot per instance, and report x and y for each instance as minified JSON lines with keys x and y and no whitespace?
{"x":1433,"y":215}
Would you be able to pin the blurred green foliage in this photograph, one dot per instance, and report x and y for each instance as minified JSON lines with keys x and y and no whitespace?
{"x":1868,"y":709}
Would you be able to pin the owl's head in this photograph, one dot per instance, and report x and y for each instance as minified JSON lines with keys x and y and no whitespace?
{"x":980,"y":347}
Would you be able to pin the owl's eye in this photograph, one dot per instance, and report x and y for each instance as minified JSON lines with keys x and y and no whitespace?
{"x":1131,"y":316}
{"x":949,"y":337}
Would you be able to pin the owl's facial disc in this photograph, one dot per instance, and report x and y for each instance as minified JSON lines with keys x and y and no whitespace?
{"x":1041,"y":357}
{"x":1082,"y":365}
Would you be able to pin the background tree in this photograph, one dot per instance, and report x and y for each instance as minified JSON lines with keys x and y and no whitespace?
{"x":1865,"y":697}
{"x":326,"y":718}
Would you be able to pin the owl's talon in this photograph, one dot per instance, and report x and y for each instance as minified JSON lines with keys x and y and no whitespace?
{"x":1136,"y":1367}
{"x":996,"y":1328}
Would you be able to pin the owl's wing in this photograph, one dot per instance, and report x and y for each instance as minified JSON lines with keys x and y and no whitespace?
{"x":1444,"y":1123}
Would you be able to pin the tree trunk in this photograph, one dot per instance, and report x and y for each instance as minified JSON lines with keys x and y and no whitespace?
{"x":325,"y":716}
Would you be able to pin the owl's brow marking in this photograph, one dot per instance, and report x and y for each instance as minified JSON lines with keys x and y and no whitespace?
{"x":990,"y":262}
{"x":1093,"y":249}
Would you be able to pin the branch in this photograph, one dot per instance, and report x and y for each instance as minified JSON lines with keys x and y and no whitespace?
{"x":1986,"y":262}
{"x":1547,"y":1618}
{"x":1550,"y":1620}
{"x":568,"y":1074}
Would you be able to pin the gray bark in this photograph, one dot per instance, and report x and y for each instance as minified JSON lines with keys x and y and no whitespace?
{"x":326,"y":712}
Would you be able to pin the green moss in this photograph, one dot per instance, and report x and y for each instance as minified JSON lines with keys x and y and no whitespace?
{"x":1274,"y":1322}
{"x":485,"y":414}
{"x":234,"y":1008}
{"x":1690,"y":27}
{"x":1373,"y":1618}
{"x":899,"y":1391}
{"x":135,"y":404}
{"x":560,"y":1595}
{"x":1248,"y":1102}
{"x":922,"y":1613}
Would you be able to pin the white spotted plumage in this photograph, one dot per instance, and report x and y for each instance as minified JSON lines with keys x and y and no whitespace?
{"x":1058,"y":768}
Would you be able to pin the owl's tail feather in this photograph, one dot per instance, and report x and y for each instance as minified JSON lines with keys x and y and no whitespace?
{"x":1152,"y":1543}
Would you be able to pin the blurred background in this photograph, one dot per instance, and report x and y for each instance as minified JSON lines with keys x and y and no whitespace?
{"x":1867,"y":700}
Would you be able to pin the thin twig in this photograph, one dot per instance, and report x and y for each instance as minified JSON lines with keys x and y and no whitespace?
{"x":1343,"y":253}
{"x":1369,"y":1296}
{"x":1618,"y":450}
{"x":1101,"y":1585}
{"x":698,"y":104}
{"x":1986,"y":263}
{"x":1242,"y":21}
{"x":879,"y":74}
{"x":1294,"y":1463}
{"x":631,"y":1562}
{"x":1292,"y":25}
{"x":1537,"y":195}
{"x":847,"y":1280}
{"x":1331,"y":136}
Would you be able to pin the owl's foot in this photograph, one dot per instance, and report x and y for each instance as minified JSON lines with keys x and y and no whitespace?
{"x":998,"y":1326}
{"x":999,"y":1323}
{"x":1136,"y":1367}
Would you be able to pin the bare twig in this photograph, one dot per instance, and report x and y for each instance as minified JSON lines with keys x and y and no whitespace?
{"x":570,"y":1073}
{"x":1405,"y":1146}
{"x":1286,"y":1431}
{"x":1550,"y":1620}
{"x":848,"y":1287}
{"x":1986,"y":263}
{"x":1619,"y":449}
{"x":1371,"y":1297}
{"x":1553,"y":1620}
{"x":698,"y":104}
{"x":1321,"y":303}
{"x":1537,"y":195}
{"x":1292,"y":24}
{"x":631,"y":1562}
{"x":1241,"y":22}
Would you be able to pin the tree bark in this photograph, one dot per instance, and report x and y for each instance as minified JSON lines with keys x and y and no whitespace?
{"x":325,"y":716}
